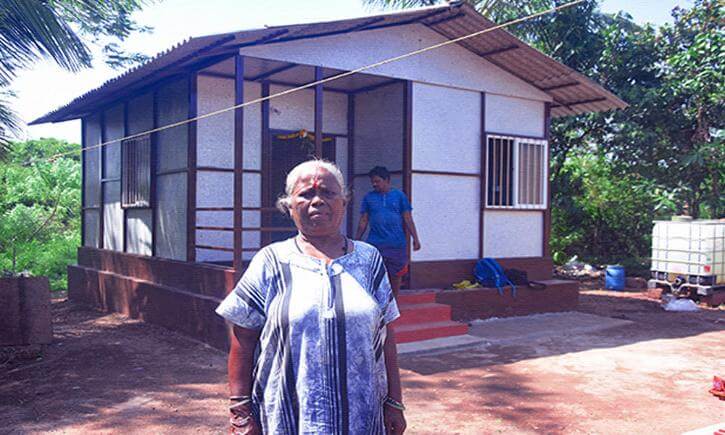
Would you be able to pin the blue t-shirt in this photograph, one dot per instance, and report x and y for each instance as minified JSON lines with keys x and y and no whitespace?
{"x":385,"y":211}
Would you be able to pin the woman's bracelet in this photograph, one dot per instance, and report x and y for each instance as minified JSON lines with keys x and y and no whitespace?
{"x":240,"y":398}
{"x":394,"y":403}
{"x":239,"y":402}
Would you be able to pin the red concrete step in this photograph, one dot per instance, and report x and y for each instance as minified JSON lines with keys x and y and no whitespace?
{"x":426,"y":331}
{"x":423,"y":312}
{"x":424,"y":297}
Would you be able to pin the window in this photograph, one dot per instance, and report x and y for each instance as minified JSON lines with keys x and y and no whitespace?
{"x":516,"y":173}
{"x":136,"y":172}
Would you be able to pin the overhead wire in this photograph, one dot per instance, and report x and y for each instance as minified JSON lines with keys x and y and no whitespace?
{"x":317,"y":82}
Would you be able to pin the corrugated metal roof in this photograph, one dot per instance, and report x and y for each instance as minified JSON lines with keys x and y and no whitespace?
{"x":572,"y":92}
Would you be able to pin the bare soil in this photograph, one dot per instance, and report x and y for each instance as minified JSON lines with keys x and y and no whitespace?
{"x":108,"y":374}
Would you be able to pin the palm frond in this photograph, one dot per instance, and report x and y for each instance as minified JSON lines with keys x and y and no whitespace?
{"x":30,"y":30}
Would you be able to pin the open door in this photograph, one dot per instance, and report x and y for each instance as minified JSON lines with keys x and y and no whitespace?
{"x":287,"y":150}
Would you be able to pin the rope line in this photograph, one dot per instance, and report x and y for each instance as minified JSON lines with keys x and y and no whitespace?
{"x":319,"y":82}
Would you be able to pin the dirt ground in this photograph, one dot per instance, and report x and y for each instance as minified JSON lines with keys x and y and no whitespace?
{"x":106,"y":374}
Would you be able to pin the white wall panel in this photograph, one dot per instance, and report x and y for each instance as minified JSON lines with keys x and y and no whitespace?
{"x":112,"y":216}
{"x":252,"y":127}
{"x":451,"y":65}
{"x":92,"y":227}
{"x":446,"y":213}
{"x":224,"y":239}
{"x":334,"y":113}
{"x":294,"y":111}
{"x":514,"y":116}
{"x":513,"y":233}
{"x":171,"y":217}
{"x":360,"y":186}
{"x":138,"y":238}
{"x":250,"y":239}
{"x":92,"y":181}
{"x":214,"y":189}
{"x":379,"y":129}
{"x":141,"y":114}
{"x":213,"y":256}
{"x":215,"y":218}
{"x":113,"y":129}
{"x":446,"y":129}
{"x":215,"y":135}
{"x":252,"y":190}
{"x":173,"y":106}
{"x":297,"y":111}
{"x":341,"y":153}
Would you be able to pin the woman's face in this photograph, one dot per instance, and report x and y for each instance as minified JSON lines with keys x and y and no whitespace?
{"x":317,"y":203}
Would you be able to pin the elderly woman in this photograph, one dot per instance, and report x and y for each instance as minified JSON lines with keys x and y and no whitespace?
{"x":316,"y":307}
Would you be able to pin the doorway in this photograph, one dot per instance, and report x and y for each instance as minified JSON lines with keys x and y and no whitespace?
{"x":287,"y":149}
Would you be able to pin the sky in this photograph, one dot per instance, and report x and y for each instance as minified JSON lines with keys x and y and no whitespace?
{"x":46,"y":87}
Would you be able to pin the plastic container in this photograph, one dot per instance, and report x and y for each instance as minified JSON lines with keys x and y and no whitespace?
{"x":614,"y":277}
{"x":693,"y":250}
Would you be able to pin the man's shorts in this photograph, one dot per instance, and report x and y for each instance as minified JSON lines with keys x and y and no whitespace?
{"x":395,"y":260}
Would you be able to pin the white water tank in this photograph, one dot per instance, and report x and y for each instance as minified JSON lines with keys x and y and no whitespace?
{"x":691,"y":252}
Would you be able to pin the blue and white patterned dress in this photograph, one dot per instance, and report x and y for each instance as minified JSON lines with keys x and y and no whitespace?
{"x":321,"y":366}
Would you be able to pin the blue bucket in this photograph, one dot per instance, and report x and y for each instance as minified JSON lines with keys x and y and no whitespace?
{"x":614,"y":278}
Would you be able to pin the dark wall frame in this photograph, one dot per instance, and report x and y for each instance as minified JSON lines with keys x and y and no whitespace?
{"x":350,"y":159}
{"x":546,"y":249}
{"x":408,"y":151}
{"x":102,"y":171}
{"x":408,"y":138}
{"x":518,"y":136}
{"x":191,"y":171}
{"x":446,"y":173}
{"x":84,"y":180}
{"x":238,"y":163}
{"x":266,"y":163}
{"x":482,"y":179}
{"x":124,"y":215}
{"x":318,"y":112}
{"x":154,"y":167}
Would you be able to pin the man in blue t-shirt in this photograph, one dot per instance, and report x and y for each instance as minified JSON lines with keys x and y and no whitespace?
{"x":387,"y":210}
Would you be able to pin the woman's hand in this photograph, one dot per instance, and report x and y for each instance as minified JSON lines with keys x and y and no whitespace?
{"x":394,"y":421}
{"x":243,"y":423}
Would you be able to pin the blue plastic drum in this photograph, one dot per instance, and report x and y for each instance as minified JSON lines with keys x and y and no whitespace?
{"x":614,"y":277}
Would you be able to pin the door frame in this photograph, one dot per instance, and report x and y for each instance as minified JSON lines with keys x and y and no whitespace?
{"x":268,"y":199}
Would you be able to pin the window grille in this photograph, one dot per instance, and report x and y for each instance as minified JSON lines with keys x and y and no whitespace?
{"x":516,"y":172}
{"x":500,"y":171}
{"x":136,"y":172}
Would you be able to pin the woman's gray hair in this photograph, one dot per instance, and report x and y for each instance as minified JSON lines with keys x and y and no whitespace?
{"x":283,"y":203}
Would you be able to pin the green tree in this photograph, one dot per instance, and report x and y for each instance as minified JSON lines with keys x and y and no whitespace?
{"x":605,"y":217}
{"x":669,"y":139}
{"x":56,"y":29}
{"x":39,"y":209}
{"x":693,"y":49}
{"x":672,"y":132}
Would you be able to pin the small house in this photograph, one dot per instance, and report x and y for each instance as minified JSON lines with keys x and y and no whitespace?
{"x":171,"y":217}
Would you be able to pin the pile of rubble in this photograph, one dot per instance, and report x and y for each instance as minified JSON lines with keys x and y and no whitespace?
{"x":575,"y":269}
{"x":580,"y":271}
